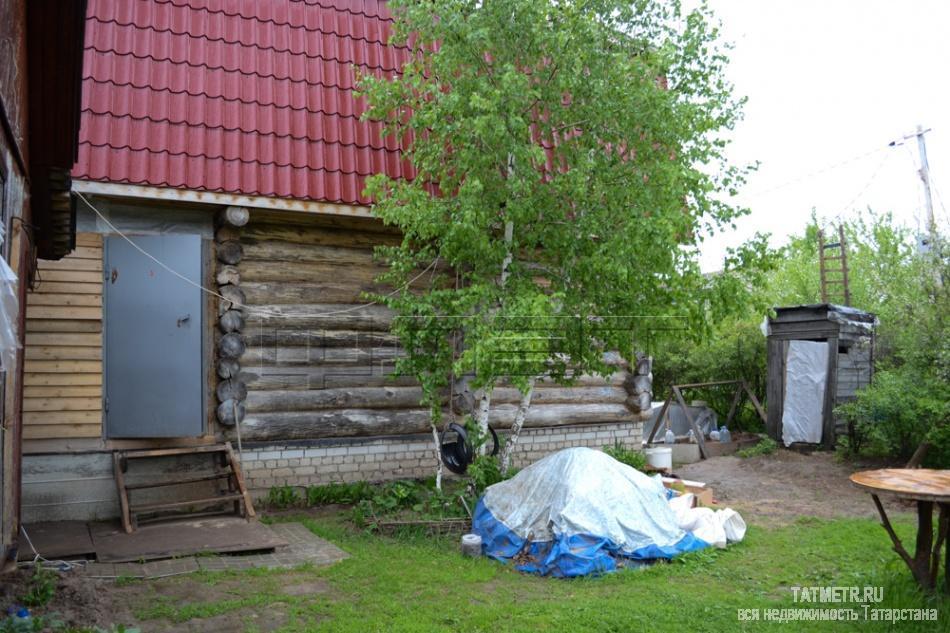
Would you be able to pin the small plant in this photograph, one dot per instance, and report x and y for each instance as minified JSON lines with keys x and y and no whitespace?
{"x":283,"y":497}
{"x":766,"y":446}
{"x":42,"y":587}
{"x":343,"y":493}
{"x":630,"y":457}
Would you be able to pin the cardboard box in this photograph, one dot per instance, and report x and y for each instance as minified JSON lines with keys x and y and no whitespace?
{"x":703,"y":493}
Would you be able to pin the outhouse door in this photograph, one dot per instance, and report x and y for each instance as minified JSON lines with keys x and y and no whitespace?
{"x":806,"y":379}
{"x":153,"y":337}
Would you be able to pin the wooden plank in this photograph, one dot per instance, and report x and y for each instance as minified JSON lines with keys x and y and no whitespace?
{"x":698,"y":434}
{"x":83,"y":252}
{"x":68,"y":263}
{"x":89,"y":391}
{"x":62,"y":417}
{"x":70,"y":276}
{"x":62,"y":325}
{"x":122,"y":492}
{"x":63,"y":312}
{"x":61,"y":431}
{"x":88,"y":239}
{"x":63,"y":366}
{"x":62,"y":379}
{"x":60,"y":352}
{"x":68,"y":287}
{"x":831,"y":386}
{"x":79,"y":339}
{"x":63,"y":404}
{"x":59,"y":299}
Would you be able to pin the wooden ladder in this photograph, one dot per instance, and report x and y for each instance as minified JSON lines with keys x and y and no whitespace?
{"x":230,"y":471}
{"x":833,"y":260}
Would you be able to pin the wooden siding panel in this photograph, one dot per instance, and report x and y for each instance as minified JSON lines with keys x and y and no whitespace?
{"x":63,"y":352}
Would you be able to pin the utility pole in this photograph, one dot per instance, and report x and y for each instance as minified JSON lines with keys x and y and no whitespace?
{"x":925,"y":178}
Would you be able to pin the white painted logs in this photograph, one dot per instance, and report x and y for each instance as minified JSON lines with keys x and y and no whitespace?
{"x":231,"y":391}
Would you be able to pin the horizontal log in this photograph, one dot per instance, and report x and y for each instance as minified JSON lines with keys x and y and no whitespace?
{"x":322,"y":377}
{"x":231,"y":321}
{"x":503,"y":415}
{"x":292,"y":336}
{"x":232,"y":298}
{"x":230,"y":252}
{"x":355,"y":235}
{"x":231,"y":389}
{"x":62,"y":325}
{"x":367,"y":422}
{"x":228,"y":274}
{"x":317,"y":316}
{"x":231,"y":346}
{"x":280,"y":251}
{"x":227,"y":233}
{"x":255,"y":355}
{"x":230,"y":412}
{"x":257,"y":270}
{"x":332,"y":290}
{"x":562,"y":395}
{"x":234,"y":216}
{"x":352,"y":398}
{"x":228,"y":368}
{"x":341,"y":423}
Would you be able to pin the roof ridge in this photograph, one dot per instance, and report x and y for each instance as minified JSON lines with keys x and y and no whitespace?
{"x":349,"y":36}
{"x":170,"y":122}
{"x":238,"y":14}
{"x":234,"y":70}
{"x":243,"y":161}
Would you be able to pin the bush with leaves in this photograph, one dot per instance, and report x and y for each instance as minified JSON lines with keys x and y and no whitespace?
{"x":631,"y":457}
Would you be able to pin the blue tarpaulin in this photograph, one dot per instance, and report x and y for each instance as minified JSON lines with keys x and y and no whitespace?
{"x":579,"y":512}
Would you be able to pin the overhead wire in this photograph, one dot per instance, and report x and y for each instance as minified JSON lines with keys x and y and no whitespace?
{"x":250,"y":309}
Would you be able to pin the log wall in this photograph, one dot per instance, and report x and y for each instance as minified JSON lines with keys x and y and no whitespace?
{"x":63,"y":368}
{"x":317,"y":364}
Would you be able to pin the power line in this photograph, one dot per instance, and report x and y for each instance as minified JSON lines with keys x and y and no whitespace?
{"x":249,"y":309}
{"x":818,"y":172}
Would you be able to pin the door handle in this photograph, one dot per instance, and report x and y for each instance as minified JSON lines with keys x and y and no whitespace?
{"x":184,"y":319}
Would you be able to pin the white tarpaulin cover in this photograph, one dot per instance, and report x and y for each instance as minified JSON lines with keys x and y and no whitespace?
{"x":577,"y":512}
{"x":806,"y":373}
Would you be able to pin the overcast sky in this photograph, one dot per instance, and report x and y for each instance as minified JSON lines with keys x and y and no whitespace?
{"x":832,"y":81}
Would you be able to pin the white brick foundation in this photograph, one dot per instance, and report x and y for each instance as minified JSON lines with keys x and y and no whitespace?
{"x":316,"y":462}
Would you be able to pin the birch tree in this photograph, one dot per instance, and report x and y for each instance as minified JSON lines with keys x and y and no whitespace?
{"x":569,"y":159}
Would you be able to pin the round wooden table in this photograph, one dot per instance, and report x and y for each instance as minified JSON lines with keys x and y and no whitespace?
{"x":927,"y":488}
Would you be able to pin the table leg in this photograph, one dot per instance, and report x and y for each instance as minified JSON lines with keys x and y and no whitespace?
{"x":920,"y":564}
{"x":943,"y":531}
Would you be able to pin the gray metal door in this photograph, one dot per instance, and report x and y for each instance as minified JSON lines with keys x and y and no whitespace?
{"x":153,"y":325}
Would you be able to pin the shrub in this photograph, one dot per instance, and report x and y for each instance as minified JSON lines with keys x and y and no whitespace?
{"x":766,"y":447}
{"x":345,"y":493}
{"x":283,"y":497}
{"x":900,"y":409}
{"x":630,"y":457}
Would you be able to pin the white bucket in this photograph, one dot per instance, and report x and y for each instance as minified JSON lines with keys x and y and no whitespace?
{"x":659,"y":457}
{"x":471,"y":545}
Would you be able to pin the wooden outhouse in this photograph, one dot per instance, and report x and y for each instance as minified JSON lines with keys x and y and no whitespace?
{"x":818,"y":357}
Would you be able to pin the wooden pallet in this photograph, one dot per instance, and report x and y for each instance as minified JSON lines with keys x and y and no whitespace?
{"x":236,"y":492}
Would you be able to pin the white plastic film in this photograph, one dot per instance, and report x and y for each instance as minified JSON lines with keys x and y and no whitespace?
{"x":806,"y":374}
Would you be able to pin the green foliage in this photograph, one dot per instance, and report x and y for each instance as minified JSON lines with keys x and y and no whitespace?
{"x":343,"y":493}
{"x":765,"y":447}
{"x":903,"y":408}
{"x":628,"y":456}
{"x":579,"y":156}
{"x":283,"y":497}
{"x":406,"y":499}
{"x":484,"y":472}
{"x":41,"y":589}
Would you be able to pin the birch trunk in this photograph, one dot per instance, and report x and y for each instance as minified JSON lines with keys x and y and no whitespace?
{"x":516,"y":427}
{"x":481,"y":418}
{"x":438,"y":458}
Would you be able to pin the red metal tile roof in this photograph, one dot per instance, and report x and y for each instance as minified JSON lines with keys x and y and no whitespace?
{"x":251,"y":97}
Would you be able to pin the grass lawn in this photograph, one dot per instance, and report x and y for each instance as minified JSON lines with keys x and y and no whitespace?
{"x":419,"y":584}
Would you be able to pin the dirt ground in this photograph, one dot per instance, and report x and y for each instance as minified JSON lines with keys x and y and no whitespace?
{"x":767,"y":490}
{"x":778,"y":488}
